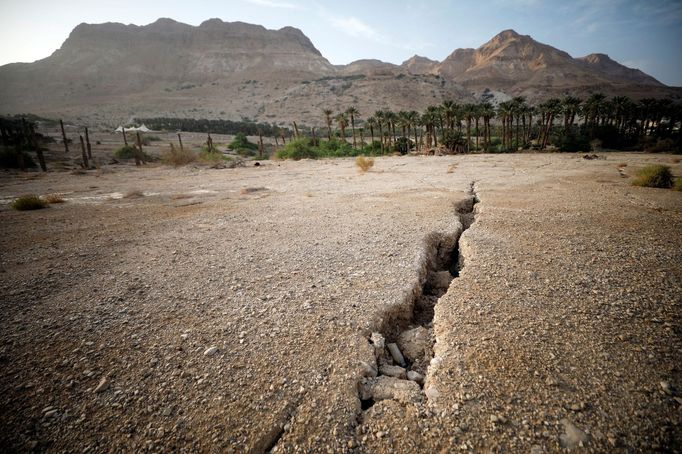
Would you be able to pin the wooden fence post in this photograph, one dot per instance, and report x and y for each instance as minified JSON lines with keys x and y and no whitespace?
{"x":66,"y":143}
{"x":125,"y":139}
{"x":180,"y":140}
{"x":87,"y":143}
{"x":260,"y":144}
{"x":85,"y":155}
{"x":138,"y":152}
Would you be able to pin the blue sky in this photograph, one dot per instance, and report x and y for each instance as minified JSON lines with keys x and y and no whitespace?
{"x":645,"y":34}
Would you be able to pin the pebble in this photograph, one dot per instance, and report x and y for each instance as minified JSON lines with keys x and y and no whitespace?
{"x":667,"y":388}
{"x":393,"y":371}
{"x":102,"y":386}
{"x":573,"y":436}
{"x":51,"y":413}
{"x":210,"y":351}
{"x":415,"y":376}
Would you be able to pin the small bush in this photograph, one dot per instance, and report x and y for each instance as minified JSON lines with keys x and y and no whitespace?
{"x":128,"y":152}
{"x":178,"y":156}
{"x":678,"y":184}
{"x":297,"y":149}
{"x":29,"y":202}
{"x":9,"y":159}
{"x":654,"y":176}
{"x":364,"y":164}
{"x":212,"y":157}
{"x":240,"y":142}
{"x":661,"y":146}
{"x":53,"y":198}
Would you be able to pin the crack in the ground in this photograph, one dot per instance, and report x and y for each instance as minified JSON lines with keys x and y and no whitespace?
{"x":403,"y":343}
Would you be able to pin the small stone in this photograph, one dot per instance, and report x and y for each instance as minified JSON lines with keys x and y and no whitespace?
{"x":667,"y":388}
{"x":392,"y":371}
{"x":573,"y":436}
{"x":51,"y":413}
{"x":102,"y":386}
{"x":368,"y":370}
{"x":395,"y":354}
{"x":352,"y":444}
{"x":211,"y":351}
{"x":415,"y":376}
{"x":536,"y":449}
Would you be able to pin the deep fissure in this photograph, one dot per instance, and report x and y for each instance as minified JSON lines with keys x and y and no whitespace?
{"x":403,"y":342}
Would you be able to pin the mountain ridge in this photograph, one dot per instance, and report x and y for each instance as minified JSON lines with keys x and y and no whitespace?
{"x":238,"y":70}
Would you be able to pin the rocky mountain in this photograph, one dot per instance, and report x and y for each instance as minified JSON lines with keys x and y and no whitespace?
{"x":108,"y":73}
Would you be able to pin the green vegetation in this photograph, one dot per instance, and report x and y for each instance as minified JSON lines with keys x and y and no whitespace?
{"x":178,"y":156}
{"x":129,"y":151}
{"x":10,"y":158}
{"x":248,"y":128}
{"x":305,"y":149}
{"x":654,"y":176}
{"x":212,"y":157}
{"x":29,"y":202}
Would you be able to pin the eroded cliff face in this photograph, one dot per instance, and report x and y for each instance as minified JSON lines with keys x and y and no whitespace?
{"x":109,"y":72}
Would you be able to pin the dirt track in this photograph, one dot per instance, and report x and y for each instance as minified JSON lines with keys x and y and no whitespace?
{"x":563,"y":327}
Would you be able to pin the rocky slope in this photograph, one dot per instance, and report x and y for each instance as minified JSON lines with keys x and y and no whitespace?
{"x":108,"y":73}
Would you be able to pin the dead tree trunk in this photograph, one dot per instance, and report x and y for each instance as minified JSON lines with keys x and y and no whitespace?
{"x":180,"y":140}
{"x":85,"y":155}
{"x":138,"y":152}
{"x":284,"y":141}
{"x":87,"y":143}
{"x":296,"y":130}
{"x":125,"y":139}
{"x":66,"y":142}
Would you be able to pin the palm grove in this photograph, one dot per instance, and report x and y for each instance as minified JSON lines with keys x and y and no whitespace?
{"x":566,"y":124}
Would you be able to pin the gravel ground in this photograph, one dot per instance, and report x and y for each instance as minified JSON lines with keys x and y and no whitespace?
{"x":230,"y":310}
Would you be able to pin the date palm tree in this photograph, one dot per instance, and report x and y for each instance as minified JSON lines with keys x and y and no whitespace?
{"x":352,"y":112}
{"x":328,"y":117}
{"x":504,"y":111}
{"x":371,"y":122}
{"x":487,"y":112}
{"x":380,"y":119}
{"x":342,"y":121}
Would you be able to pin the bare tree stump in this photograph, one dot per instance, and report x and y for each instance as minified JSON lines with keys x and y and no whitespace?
{"x":66,"y":142}
{"x":125,"y":139}
{"x":180,"y":140}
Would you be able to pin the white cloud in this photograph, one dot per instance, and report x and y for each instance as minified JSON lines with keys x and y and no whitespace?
{"x":274,"y":4}
{"x":357,"y":29}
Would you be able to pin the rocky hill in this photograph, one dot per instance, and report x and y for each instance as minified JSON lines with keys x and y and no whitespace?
{"x":108,"y":73}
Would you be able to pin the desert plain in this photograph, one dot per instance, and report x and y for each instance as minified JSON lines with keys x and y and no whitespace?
{"x":243,"y":310}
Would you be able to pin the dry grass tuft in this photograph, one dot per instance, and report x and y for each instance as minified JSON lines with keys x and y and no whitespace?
{"x":53,"y":198}
{"x":451,"y":168}
{"x":178,"y":156}
{"x":29,"y":202}
{"x":363,"y":163}
{"x":654,"y":176}
{"x":133,"y":194}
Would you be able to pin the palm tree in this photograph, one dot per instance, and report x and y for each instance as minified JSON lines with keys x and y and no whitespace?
{"x":435,"y":117}
{"x":342,"y":121}
{"x":504,"y":111}
{"x":353,"y":112}
{"x":391,"y":119}
{"x":328,"y":118}
{"x":468,"y":111}
{"x":518,"y":107}
{"x":593,"y":108}
{"x":379,"y":116}
{"x":571,"y":107}
{"x":371,"y":122}
{"x":478,"y":113}
{"x":487,"y":112}
{"x":551,"y":108}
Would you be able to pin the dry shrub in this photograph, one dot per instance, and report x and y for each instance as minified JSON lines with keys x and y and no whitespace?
{"x":133,"y":194}
{"x":363,"y":163}
{"x":53,"y":198}
{"x":178,"y":156}
{"x":451,"y":168}
{"x":654,"y":176}
{"x":29,"y":202}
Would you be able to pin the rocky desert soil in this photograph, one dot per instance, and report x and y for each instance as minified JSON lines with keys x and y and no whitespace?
{"x":307,"y":307}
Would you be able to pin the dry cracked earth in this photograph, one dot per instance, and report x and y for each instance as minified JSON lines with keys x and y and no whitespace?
{"x":483,"y":303}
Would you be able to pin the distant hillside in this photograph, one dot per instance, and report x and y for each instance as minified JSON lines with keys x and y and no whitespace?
{"x":112,"y":72}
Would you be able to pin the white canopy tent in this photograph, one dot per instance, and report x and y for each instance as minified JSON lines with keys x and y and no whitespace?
{"x":141,"y":128}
